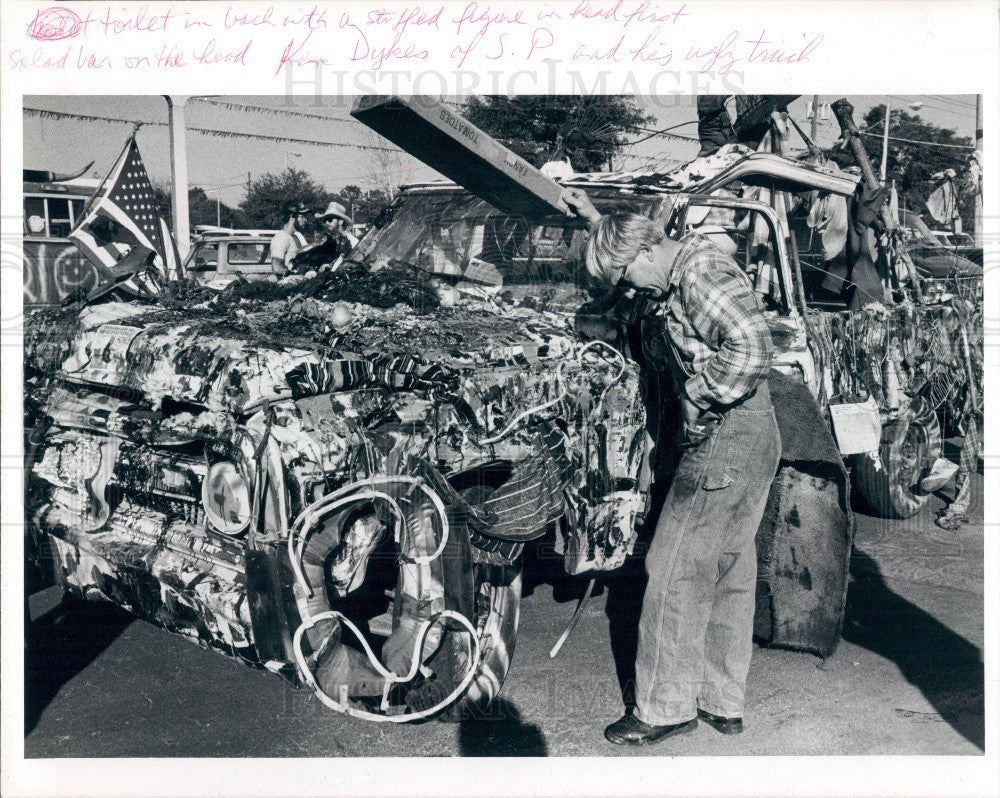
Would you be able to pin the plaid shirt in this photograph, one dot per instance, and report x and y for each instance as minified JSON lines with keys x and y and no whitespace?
{"x":714,"y":324}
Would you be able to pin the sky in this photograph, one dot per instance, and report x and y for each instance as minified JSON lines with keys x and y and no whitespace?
{"x":222,"y":165}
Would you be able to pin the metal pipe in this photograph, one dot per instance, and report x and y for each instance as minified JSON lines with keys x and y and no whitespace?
{"x":179,"y":172}
{"x":885,"y":141}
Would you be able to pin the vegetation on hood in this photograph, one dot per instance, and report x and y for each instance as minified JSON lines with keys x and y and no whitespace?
{"x":393,"y":285}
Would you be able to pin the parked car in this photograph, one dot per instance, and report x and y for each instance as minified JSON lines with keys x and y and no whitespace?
{"x":940,"y":253}
{"x":221,"y":255}
{"x":335,"y":480}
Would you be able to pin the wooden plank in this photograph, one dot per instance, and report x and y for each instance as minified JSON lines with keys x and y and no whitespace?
{"x":431,"y":132}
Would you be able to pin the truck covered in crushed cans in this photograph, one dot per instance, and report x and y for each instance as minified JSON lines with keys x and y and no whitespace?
{"x":334,"y":477}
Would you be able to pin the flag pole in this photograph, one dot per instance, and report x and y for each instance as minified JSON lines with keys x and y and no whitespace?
{"x":179,"y":173}
{"x":104,"y":180}
{"x":885,"y":142}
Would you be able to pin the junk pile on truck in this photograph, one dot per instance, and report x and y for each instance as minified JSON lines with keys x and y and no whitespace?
{"x":336,"y":478}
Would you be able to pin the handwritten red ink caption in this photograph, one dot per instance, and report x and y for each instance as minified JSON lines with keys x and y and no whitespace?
{"x":624,"y":32}
{"x":53,"y":24}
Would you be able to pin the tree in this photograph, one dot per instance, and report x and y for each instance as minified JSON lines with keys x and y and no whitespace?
{"x":263,"y":205}
{"x":363,"y":205}
{"x":387,"y":163}
{"x":912,"y":164}
{"x":201,"y":208}
{"x":589,"y":130}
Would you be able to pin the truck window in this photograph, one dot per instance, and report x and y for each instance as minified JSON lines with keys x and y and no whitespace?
{"x":455,"y":235}
{"x":60,"y":220}
{"x":52,"y":217}
{"x":34,"y":217}
{"x":749,"y":238}
{"x":76,"y":208}
{"x":755,"y":252}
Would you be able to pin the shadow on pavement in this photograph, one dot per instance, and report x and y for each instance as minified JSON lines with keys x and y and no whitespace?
{"x":946,"y":668}
{"x":499,"y":731}
{"x":626,"y":587}
{"x":60,"y":644}
{"x":624,"y":604}
{"x":544,"y":565}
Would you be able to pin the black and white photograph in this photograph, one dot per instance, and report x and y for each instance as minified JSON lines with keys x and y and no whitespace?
{"x":376,"y":438}
{"x":374,"y":426}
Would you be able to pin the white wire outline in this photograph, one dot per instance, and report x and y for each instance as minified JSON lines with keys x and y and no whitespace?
{"x":389,"y":676}
{"x":346,"y":495}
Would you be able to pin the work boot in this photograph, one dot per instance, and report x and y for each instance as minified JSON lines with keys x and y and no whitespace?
{"x":629,"y":730}
{"x":721,"y":723}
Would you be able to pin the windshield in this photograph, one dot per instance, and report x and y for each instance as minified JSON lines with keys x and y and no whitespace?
{"x":455,"y":235}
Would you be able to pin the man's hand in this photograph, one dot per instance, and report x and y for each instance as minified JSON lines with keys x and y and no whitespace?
{"x":690,"y":413}
{"x":579,"y":204}
{"x":278,"y":267}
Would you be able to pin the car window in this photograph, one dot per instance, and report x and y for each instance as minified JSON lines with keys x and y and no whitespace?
{"x":206,"y":256}
{"x":247,"y":254}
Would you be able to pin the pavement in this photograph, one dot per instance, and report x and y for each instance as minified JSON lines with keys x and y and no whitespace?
{"x":907,"y":677}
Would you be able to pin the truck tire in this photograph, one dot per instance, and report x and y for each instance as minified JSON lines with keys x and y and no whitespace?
{"x":889,"y":481}
{"x":497,"y":589}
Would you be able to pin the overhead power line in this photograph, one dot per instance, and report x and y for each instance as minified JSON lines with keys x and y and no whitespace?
{"x":924,"y":143}
{"x":247,"y":108}
{"x":935,"y":106}
{"x":46,"y":114}
{"x":665,"y":132}
{"x":935,"y":99}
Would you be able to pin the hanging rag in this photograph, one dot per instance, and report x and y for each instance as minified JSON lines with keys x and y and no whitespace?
{"x":942,"y":204}
{"x":828,"y":216}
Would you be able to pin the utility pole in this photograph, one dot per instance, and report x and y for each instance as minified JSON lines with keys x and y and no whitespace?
{"x":977,"y":219}
{"x":885,"y":142}
{"x":814,"y":123}
{"x":179,"y":173}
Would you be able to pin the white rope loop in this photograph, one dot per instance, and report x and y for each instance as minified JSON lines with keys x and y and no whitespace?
{"x":351,"y":494}
{"x":388,"y":675}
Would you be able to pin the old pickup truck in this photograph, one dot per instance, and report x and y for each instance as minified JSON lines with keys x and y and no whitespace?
{"x":335,"y":478}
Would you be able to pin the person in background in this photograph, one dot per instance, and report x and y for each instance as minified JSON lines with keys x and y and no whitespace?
{"x":704,"y":327}
{"x":289,"y":240}
{"x":337,"y":240}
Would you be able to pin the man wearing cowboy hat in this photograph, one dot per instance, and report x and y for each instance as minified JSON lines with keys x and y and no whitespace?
{"x":337,"y":241}
{"x":288,"y":241}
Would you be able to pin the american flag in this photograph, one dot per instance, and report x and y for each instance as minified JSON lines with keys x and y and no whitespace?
{"x":121,"y":230}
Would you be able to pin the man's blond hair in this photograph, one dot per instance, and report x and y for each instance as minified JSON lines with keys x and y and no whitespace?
{"x":615,"y":242}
